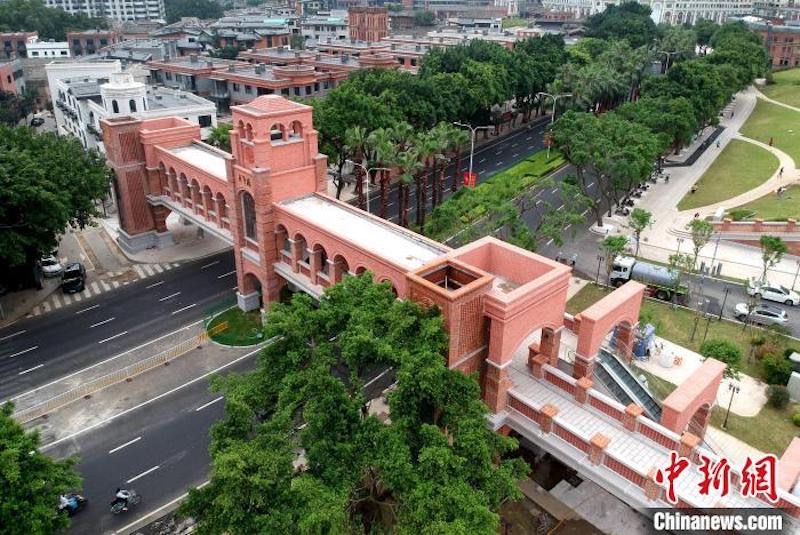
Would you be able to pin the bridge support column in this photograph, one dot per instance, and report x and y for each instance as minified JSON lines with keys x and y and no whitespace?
{"x":496,"y":387}
{"x":598,"y":443}
{"x":625,"y":339}
{"x":689,"y":443}
{"x":248,"y":302}
{"x":536,"y":362}
{"x":583,"y":366}
{"x":550,"y":344}
{"x":632,"y":414}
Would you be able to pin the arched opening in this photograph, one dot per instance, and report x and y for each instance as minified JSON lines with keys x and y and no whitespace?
{"x":296,"y":130}
{"x":163,"y":179}
{"x":276,"y":132}
{"x":341,"y":269}
{"x":194,"y":190}
{"x":301,"y":247}
{"x":251,"y":290}
{"x":222,"y":211}
{"x":240,"y":128}
{"x":248,"y":132}
{"x":183,"y":187}
{"x":360,"y":270}
{"x":699,"y":421}
{"x":208,"y":205}
{"x":283,"y":244}
{"x":249,"y":216}
{"x":391,"y":286}
{"x":322,"y":259}
{"x":132,"y":104}
{"x":114,"y":106}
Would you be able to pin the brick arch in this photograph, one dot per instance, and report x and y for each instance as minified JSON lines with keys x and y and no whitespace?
{"x":183,"y":186}
{"x":361,"y":269}
{"x":392,"y":285}
{"x":688,"y":407}
{"x":301,"y":246}
{"x":248,"y":132}
{"x":296,"y":130}
{"x":276,"y":129}
{"x":194,"y":192}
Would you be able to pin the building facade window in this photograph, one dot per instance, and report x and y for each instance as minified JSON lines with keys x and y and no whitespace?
{"x":204,"y":121}
{"x":114,"y":106}
{"x":249,"y":210}
{"x":132,"y":105}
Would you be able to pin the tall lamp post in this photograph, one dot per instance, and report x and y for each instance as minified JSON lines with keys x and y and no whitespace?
{"x":473,"y":130}
{"x":555,"y":100}
{"x":668,"y":54}
{"x":366,"y":176}
{"x":734,"y":390}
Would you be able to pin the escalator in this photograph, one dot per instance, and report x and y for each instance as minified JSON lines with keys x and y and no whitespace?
{"x":624,"y":385}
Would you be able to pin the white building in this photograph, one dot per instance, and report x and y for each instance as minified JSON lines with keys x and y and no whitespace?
{"x":48,"y":49}
{"x":121,"y":10}
{"x":83,"y":102}
{"x":324,"y":28}
{"x":666,"y":11}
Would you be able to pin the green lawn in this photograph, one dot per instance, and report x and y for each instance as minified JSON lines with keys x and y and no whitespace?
{"x":771,"y":430}
{"x":740,"y":167}
{"x":786,"y":88}
{"x":771,"y":208}
{"x":244,"y":328}
{"x":779,"y":123}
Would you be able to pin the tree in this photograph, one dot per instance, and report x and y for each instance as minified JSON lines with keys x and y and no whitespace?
{"x":777,"y":369}
{"x":726,"y":352}
{"x":14,"y":108}
{"x":356,"y":144}
{"x":630,"y":21}
{"x":704,"y":29}
{"x":47,"y":182}
{"x":679,"y":263}
{"x":424,"y":18}
{"x":701,"y":231}
{"x":220,"y":136}
{"x":226,"y":52}
{"x":772,"y":250}
{"x":672,"y":119}
{"x":640,"y":220}
{"x":778,"y":396}
{"x":434,"y":467}
{"x":30,"y":482}
{"x":613,"y":246}
{"x":202,"y":9}
{"x":49,"y":23}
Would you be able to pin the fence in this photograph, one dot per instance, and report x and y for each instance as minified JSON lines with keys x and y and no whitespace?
{"x":118,"y":376}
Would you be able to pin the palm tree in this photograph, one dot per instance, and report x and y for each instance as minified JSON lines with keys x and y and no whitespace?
{"x":380,"y":148}
{"x":408,"y":163}
{"x":442,"y":136}
{"x":355,"y":144}
{"x":459,"y":139}
{"x":427,"y":147}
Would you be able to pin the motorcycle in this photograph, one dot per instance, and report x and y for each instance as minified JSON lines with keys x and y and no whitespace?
{"x":118,"y":506}
{"x":76,"y":503}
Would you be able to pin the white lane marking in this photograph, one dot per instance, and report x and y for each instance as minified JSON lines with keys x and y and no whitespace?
{"x":151,"y":400}
{"x":203,"y":406}
{"x":93,"y":325}
{"x":214,"y":263}
{"x":528,"y":138}
{"x":170,"y":296}
{"x":555,"y":190}
{"x":531,"y":147}
{"x":154,"y":340}
{"x":560,"y":207}
{"x":148,"y":471}
{"x":95,"y":288}
{"x":498,"y":163}
{"x":590,"y":185}
{"x":187,"y":307}
{"x":565,"y":228}
{"x":106,"y":287}
{"x":148,"y":270}
{"x":152,"y":514}
{"x":18,"y":353}
{"x":115,"y":284}
{"x":157,"y":268}
{"x":13,"y":335}
{"x":482,"y":160}
{"x":137,"y":439}
{"x":228,"y":274}
{"x":159,"y":283}
{"x":29,"y":370}
{"x":104,"y":340}
{"x":538,"y":202}
{"x":515,"y":155}
{"x":67,"y":299}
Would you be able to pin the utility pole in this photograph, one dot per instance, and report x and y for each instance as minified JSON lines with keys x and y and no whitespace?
{"x":734,"y":390}
{"x":555,"y":98}
{"x":366,"y":176}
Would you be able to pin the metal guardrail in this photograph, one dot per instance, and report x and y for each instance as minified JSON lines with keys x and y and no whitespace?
{"x":118,"y":376}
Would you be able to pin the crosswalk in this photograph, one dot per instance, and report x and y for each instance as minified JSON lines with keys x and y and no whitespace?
{"x":112,"y":281}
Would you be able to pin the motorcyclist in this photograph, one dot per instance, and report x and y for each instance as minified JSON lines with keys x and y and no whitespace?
{"x":67,"y":503}
{"x":121,"y":496}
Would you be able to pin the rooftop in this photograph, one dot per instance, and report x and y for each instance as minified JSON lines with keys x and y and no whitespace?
{"x":271,"y":104}
{"x":199,"y":156}
{"x":395,"y":244}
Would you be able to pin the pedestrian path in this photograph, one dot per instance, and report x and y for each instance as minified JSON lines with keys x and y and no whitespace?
{"x":764,"y":97}
{"x":111,"y":281}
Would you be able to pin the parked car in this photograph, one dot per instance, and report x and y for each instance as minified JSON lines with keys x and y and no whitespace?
{"x":37,"y":121}
{"x":762,"y":314}
{"x":74,"y":280}
{"x":772,"y":292}
{"x":50,"y":265}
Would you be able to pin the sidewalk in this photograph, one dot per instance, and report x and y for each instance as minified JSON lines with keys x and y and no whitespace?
{"x":662,"y":240}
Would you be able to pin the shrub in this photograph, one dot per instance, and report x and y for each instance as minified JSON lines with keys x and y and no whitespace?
{"x":796,"y":419}
{"x":726,"y":352}
{"x":777,"y":370}
{"x":778,"y":396}
{"x":741,"y":214}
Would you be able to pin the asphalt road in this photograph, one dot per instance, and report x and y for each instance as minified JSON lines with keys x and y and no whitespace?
{"x":41,"y":349}
{"x":159,"y":449}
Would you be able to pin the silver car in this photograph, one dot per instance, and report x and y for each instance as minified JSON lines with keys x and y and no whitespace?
{"x":762,"y":315}
{"x":51,"y":267}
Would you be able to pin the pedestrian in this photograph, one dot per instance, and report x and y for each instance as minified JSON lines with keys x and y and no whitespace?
{"x":696,"y":215}
{"x":780,"y":173}
{"x":770,"y":141}
{"x":731,"y":114}
{"x":718,"y":143}
{"x":694,"y":189}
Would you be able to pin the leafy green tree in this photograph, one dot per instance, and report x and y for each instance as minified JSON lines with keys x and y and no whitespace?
{"x":704,"y":30}
{"x":697,"y":81}
{"x":640,"y":220}
{"x":30,"y":482}
{"x":701,"y":232}
{"x":424,"y":18}
{"x":671,"y":118}
{"x":434,"y":467}
{"x":630,"y":21}
{"x":676,"y":43}
{"x":777,"y":369}
{"x":49,"y":23}
{"x":14,"y":108}
{"x":772,"y":250}
{"x":202,"y":9}
{"x":47,"y":182}
{"x":725,"y":351}
{"x":225,"y":52}
{"x":613,"y":246}
{"x":220,"y":136}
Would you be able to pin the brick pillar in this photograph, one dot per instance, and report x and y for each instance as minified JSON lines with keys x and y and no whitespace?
{"x":582,"y":367}
{"x":496,"y":387}
{"x":791,"y":225}
{"x":314,"y":258}
{"x":548,"y":413}
{"x":598,"y":444}
{"x":160,"y":214}
{"x":551,"y":342}
{"x":625,"y":338}
{"x":688,"y":445}
{"x":536,"y":363}
{"x":632,"y":414}
{"x":582,"y":389}
{"x":758,"y":225}
{"x":217,"y":215}
{"x":726,"y":224}
{"x":206,"y":196}
{"x":652,"y":489}
{"x":297,"y":254}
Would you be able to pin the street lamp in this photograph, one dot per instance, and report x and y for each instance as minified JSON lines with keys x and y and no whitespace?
{"x":796,"y":273}
{"x":472,"y":129}
{"x":668,"y":54}
{"x":734,"y":390}
{"x":555,"y":100}
{"x":680,"y":242}
{"x":366,"y":176}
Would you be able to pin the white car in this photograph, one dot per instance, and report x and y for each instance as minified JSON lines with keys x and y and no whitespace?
{"x":773,"y":292}
{"x":51,"y":267}
{"x":761,"y":314}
